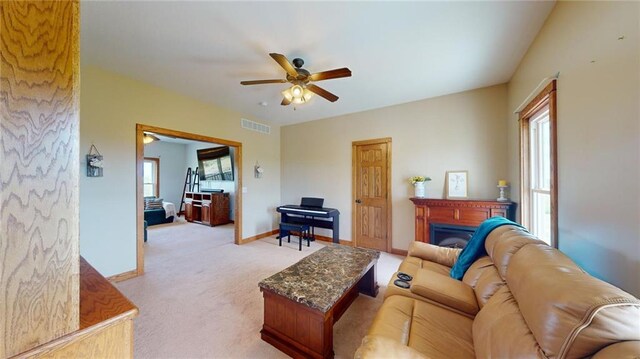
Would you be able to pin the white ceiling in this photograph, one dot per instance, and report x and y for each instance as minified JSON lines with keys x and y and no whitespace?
{"x":398,"y":52}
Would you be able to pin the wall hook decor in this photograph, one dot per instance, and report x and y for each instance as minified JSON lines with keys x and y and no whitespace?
{"x":95,"y":162}
{"x":258,"y":171}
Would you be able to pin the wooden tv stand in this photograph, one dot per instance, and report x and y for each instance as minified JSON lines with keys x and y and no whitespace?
{"x":207,"y":208}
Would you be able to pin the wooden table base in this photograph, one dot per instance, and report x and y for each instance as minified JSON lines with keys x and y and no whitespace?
{"x":304,"y":332}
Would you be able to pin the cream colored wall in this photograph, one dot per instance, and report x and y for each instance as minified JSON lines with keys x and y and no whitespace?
{"x":111,"y":105}
{"x":462,"y":131}
{"x":598,"y":132}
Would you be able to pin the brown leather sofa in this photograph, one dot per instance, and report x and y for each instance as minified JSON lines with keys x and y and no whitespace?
{"x":524,"y":300}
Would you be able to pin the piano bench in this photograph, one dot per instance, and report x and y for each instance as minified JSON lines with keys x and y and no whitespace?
{"x":302,"y":229}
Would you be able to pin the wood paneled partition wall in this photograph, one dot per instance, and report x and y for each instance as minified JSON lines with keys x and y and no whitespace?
{"x":39,"y":169}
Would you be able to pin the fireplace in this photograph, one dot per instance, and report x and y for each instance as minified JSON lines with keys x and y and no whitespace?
{"x":450,"y":235}
{"x":457,"y":218}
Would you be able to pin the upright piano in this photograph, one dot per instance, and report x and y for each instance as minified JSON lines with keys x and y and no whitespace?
{"x":311,"y":212}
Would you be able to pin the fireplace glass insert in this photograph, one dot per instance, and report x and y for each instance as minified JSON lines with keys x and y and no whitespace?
{"x":450,"y":235}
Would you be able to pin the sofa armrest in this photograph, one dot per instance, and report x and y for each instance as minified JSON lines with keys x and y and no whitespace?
{"x":621,"y":350}
{"x":445,"y":290}
{"x":375,"y":347}
{"x":429,"y":252}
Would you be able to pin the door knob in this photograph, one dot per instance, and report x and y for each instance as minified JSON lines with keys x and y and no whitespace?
{"x":358,"y":201}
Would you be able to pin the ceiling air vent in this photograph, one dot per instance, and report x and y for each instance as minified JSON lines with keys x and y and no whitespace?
{"x":254,"y":126}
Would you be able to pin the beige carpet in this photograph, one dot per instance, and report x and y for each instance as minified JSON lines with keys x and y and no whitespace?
{"x":199,"y":297}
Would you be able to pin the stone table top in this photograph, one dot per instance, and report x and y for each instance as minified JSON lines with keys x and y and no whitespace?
{"x":321,"y":278}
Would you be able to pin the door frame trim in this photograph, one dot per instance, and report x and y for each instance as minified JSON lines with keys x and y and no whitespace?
{"x":140,"y":130}
{"x":354,"y":146}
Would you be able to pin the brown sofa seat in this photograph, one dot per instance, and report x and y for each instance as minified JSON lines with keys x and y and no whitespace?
{"x":533,"y":302}
{"x":413,"y":323}
{"x":438,"y":289}
{"x":482,"y":277}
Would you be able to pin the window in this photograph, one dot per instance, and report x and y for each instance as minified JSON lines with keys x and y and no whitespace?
{"x":538,"y":187}
{"x":151,"y":177}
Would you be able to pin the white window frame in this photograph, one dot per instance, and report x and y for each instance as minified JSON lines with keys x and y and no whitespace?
{"x":536,"y":173}
{"x":156,"y":175}
{"x":531,"y":181}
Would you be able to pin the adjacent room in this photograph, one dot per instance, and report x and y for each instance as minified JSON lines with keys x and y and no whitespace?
{"x":187,"y":182}
{"x":261,"y":179}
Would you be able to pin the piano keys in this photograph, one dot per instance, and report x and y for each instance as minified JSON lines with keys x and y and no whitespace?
{"x":311,"y":212}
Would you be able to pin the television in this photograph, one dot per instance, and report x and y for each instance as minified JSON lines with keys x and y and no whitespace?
{"x":215,"y":164}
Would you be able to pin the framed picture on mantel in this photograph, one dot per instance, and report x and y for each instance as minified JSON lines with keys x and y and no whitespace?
{"x":457,"y":184}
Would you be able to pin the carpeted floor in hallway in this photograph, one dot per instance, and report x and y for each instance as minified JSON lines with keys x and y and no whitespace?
{"x":199,"y":296}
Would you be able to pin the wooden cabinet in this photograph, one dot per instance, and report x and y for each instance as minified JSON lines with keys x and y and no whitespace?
{"x":188,"y":212}
{"x":211,"y":209}
{"x":206,"y":214}
{"x":220,"y":209}
{"x":468,"y":213}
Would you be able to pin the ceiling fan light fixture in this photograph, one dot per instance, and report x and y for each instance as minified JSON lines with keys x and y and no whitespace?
{"x":297,"y":91}
{"x":297,"y":94}
{"x":306,"y":96}
{"x":287,"y":94}
{"x":148,"y":138}
{"x":300,"y":79}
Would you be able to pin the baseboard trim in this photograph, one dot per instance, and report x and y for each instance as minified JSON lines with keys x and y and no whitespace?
{"x":330,"y":239}
{"x":317,"y":236}
{"x":400,"y":252}
{"x":123,"y":276}
{"x":259,"y":236}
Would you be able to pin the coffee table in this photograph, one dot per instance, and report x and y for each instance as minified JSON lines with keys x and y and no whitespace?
{"x":302,"y":302}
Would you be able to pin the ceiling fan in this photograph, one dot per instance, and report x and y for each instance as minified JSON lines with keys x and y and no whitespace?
{"x":301,"y":79}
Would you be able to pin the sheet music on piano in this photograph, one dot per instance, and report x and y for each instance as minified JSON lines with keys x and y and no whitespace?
{"x":311,"y":212}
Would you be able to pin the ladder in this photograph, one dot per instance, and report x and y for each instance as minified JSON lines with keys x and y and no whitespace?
{"x":196,"y":181}
{"x":190,"y":183}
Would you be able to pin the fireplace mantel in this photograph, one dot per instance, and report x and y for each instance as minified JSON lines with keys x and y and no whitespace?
{"x":458,"y":212}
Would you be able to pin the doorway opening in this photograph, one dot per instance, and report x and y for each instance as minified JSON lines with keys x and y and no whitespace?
{"x":193,"y":176}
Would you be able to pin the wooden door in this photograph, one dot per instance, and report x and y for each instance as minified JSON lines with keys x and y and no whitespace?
{"x":188,"y":214}
{"x":207,"y":214}
{"x":372,"y":194}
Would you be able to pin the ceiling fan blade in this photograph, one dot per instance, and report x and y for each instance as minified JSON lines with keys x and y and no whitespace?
{"x":331,"y":74}
{"x":286,"y":65}
{"x":322,"y":92}
{"x":259,"y":82}
{"x":285,"y":102}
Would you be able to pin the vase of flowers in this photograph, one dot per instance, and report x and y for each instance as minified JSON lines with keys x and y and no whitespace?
{"x":418,"y":185}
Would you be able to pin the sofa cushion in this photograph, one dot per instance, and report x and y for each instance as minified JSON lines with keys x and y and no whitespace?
{"x":381,"y":347}
{"x":411,"y":265}
{"x":483,"y":277}
{"x":622,"y":350}
{"x":393,"y":289}
{"x":500,"y":331}
{"x":570,"y":313}
{"x":432,"y":253}
{"x":152,"y":203}
{"x":431,"y":330}
{"x":503,"y":242}
{"x":445,"y":290}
